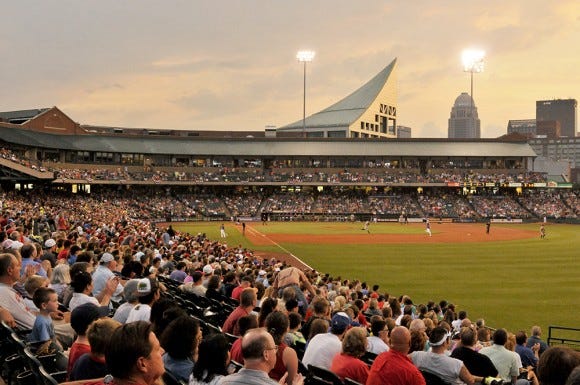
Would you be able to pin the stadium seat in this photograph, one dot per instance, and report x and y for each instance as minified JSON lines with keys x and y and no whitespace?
{"x":326,"y":376}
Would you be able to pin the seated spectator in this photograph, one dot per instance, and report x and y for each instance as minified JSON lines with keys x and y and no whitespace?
{"x":286,"y":358}
{"x":134,"y":355}
{"x":92,"y":364}
{"x":259,"y":352}
{"x":195,"y":286}
{"x":322,"y":348}
{"x":319,"y":326}
{"x":12,"y":302}
{"x":450,"y":370}
{"x":378,"y":341}
{"x":148,"y":292}
{"x":213,"y":360}
{"x":245,"y":323}
{"x":394,"y":366}
{"x":504,"y":360}
{"x":180,"y":339}
{"x":80,"y":319}
{"x":33,"y":283}
{"x":60,"y":279}
{"x":556,"y":364}
{"x":46,"y":300}
{"x":347,"y":363}
{"x":529,"y":356}
{"x":294,"y":335}
{"x":477,"y":364}
{"x":131,"y":300}
{"x":535,"y":338}
{"x":82,"y":284}
{"x":247,"y":303}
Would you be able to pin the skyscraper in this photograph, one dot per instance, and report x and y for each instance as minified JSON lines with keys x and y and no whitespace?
{"x":561,"y":110}
{"x":464,"y":121}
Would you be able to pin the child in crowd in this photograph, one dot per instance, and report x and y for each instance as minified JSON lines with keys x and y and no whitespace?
{"x":294,"y":335}
{"x":46,"y":300}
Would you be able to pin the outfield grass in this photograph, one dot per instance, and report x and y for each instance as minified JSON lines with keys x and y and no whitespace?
{"x":512,"y":284}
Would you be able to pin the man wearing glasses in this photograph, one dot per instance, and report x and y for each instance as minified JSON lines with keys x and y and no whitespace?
{"x":259,"y":351}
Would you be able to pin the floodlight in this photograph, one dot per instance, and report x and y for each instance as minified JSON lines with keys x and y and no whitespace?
{"x":472,"y":60}
{"x":305,"y":56}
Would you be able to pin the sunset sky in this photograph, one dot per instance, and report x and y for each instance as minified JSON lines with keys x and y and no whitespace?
{"x":230,"y":65}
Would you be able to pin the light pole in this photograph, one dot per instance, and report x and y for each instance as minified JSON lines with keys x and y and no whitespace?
{"x":304,"y":57}
{"x":472,"y":62}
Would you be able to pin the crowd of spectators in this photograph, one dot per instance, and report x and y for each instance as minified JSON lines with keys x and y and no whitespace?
{"x":249,"y":173}
{"x":115,"y":256}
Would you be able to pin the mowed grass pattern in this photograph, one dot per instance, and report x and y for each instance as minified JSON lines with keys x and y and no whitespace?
{"x":512,"y":284}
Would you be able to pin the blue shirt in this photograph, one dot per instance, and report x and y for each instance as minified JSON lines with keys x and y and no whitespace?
{"x":42,"y":330}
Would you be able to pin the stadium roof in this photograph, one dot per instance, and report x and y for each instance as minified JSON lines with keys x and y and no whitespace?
{"x":269,"y":147}
{"x":349,"y":109}
{"x":21,"y":115}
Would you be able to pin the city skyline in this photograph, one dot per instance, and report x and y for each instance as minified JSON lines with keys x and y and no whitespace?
{"x":232,"y":65}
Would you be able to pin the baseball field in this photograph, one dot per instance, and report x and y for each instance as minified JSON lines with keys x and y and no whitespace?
{"x":510,"y":277}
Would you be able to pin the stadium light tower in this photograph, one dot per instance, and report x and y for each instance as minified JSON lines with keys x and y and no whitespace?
{"x":473,"y":63}
{"x":304,"y":57}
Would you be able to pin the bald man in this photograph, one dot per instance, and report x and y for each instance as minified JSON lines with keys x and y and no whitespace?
{"x":394,"y":367}
{"x":260,"y":354}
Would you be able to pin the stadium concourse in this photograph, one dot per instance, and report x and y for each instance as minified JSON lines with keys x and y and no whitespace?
{"x":189,"y":282}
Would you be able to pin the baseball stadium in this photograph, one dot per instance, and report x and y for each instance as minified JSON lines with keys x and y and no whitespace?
{"x":431,"y":224}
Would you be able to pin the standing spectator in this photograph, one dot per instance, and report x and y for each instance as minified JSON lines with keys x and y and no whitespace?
{"x":294,"y":277}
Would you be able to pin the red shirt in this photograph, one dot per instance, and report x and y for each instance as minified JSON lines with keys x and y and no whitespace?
{"x":231,"y":324}
{"x":236,"y":352}
{"x":279,"y":369}
{"x":344,"y":365}
{"x":394,"y":368}
{"x":76,"y":350}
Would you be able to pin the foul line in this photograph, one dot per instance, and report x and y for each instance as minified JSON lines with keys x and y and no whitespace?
{"x":256,"y":232}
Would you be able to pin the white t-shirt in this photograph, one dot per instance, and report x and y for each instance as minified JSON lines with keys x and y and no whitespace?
{"x":321,"y":350}
{"x":141,"y":312}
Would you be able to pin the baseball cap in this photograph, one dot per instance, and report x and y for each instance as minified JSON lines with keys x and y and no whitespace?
{"x":83,"y":315}
{"x":107,"y":257}
{"x":146,"y":286}
{"x":207,"y":269}
{"x":340,"y":322}
{"x":138,"y":255}
{"x":49,"y":243}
